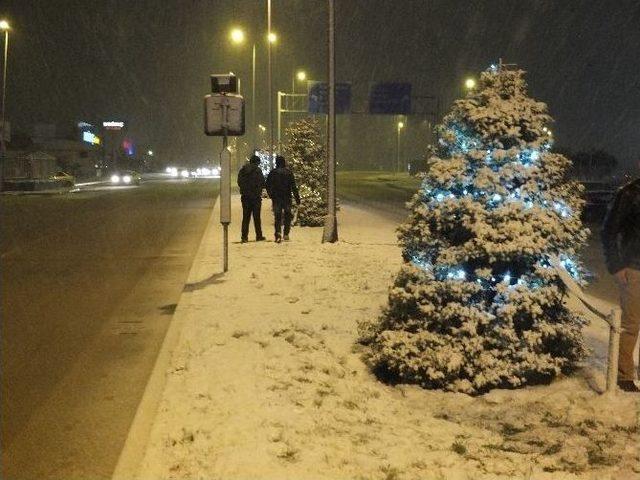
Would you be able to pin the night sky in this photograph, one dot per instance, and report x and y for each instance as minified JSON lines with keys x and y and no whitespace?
{"x":148,"y":61}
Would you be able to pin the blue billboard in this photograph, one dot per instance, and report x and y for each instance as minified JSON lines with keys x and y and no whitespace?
{"x":319,"y":97}
{"x":390,"y":98}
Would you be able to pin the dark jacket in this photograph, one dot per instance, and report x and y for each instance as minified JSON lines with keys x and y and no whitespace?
{"x":250,"y":180}
{"x":281,"y":184}
{"x":621,"y":231}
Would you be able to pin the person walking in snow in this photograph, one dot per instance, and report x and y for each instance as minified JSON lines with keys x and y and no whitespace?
{"x":281,"y":185}
{"x":621,"y":241}
{"x":251,"y":183}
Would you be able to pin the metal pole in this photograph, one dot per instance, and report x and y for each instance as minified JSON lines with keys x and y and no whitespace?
{"x":330,"y":233}
{"x":4,"y":88}
{"x":614,"y":349}
{"x":225,"y":253}
{"x":269,"y":81}
{"x":293,"y":82}
{"x":253,"y":95}
{"x":397,"y":147}
{"x":225,"y":187}
{"x":280,"y":95}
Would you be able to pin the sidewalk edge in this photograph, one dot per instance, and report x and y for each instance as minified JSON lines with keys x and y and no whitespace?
{"x":137,"y":438}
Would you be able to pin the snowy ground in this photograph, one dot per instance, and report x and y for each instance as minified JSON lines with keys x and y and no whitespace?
{"x":267,"y":382}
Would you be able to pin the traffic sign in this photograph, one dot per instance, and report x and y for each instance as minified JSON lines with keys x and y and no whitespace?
{"x":390,"y":98}
{"x":319,"y":97}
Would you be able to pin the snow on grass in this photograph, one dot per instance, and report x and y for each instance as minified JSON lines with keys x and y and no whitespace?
{"x":268,"y":382}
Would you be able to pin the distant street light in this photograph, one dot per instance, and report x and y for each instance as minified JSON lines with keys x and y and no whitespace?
{"x":237,"y":35}
{"x":150,"y":153}
{"x":400,"y":127}
{"x":5,"y":27}
{"x":301,"y":76}
{"x":470,"y":83}
{"x":272,"y":37}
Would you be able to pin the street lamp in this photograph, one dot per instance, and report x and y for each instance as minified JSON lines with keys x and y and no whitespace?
{"x":263,"y":129}
{"x":5,"y":27}
{"x":238,"y":37}
{"x":400,"y":126}
{"x":470,"y":83}
{"x":150,"y":153}
{"x":272,"y":37}
{"x":301,"y":76}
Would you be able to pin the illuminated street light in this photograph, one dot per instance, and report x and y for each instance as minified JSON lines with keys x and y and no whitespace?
{"x":237,"y":35}
{"x":272,"y":37}
{"x":470,"y":83}
{"x":400,"y":126}
{"x":5,"y":27}
{"x":150,"y":153}
{"x":262,"y":127}
{"x":301,"y":76}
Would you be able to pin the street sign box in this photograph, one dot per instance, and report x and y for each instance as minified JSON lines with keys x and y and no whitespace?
{"x":225,"y":83}
{"x":224,"y":115}
{"x":319,"y":97}
{"x":390,"y":98}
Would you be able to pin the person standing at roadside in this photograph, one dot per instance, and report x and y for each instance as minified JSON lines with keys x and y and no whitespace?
{"x":281,"y":185}
{"x":251,"y":183}
{"x":621,"y":241}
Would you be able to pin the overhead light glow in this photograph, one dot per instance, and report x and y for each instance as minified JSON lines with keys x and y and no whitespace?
{"x":237,"y":35}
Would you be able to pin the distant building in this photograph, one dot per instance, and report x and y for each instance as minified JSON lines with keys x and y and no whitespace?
{"x":28,"y":165}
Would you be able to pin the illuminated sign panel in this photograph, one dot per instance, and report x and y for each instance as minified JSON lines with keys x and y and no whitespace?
{"x":90,"y":138}
{"x":113,"y":125}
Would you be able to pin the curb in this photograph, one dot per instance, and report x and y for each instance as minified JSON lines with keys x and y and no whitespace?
{"x":135,"y":444}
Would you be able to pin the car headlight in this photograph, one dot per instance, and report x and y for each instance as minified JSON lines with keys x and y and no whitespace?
{"x":126,"y":179}
{"x":206,"y":171}
{"x":115,"y":179}
{"x":185,"y":173}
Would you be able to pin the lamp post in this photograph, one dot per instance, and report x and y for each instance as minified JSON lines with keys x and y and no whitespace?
{"x":5,"y":27}
{"x":330,"y":230}
{"x":400,"y":126}
{"x":301,"y":76}
{"x":238,"y":37}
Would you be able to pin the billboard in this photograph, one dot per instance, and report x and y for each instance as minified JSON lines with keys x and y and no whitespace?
{"x":319,"y":97}
{"x":392,"y":98}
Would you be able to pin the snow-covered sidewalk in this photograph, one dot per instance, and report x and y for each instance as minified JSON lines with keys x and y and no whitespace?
{"x":266,"y":381}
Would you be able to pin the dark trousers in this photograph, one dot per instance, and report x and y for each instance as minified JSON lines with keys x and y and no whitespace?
{"x":282,"y":214}
{"x":251,"y":206}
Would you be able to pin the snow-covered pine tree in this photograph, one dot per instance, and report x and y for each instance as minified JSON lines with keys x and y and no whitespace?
{"x":306,"y":156}
{"x":477,"y":304}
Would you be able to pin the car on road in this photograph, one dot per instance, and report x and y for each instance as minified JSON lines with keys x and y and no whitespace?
{"x":63,"y":179}
{"x":126,"y":177}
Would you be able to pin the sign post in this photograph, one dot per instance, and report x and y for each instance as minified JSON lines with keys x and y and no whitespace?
{"x":224,"y":117}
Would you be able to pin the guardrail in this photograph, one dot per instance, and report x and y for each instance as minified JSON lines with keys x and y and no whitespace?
{"x":597,"y":309}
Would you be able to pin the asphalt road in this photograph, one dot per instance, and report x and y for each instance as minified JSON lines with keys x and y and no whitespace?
{"x":90,"y":281}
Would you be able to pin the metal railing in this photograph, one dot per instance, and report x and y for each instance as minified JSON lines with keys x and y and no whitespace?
{"x":597,"y":309}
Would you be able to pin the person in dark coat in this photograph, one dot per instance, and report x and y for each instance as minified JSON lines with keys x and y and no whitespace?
{"x":621,"y":242}
{"x":281,"y":185}
{"x":251,"y":183}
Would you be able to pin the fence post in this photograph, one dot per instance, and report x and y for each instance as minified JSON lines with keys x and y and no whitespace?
{"x":614,"y":344}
